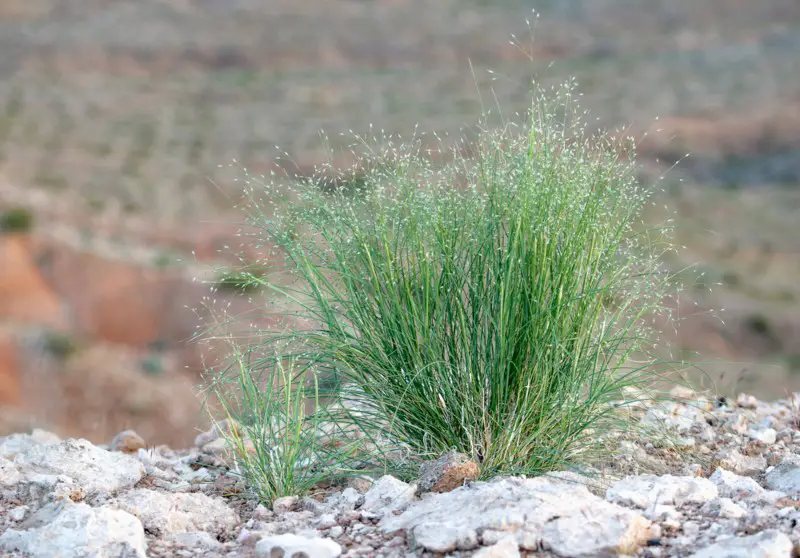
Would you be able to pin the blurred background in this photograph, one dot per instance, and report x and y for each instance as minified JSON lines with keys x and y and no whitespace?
{"x":120,"y":120}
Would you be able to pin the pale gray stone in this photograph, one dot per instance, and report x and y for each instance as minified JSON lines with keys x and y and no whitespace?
{"x":347,"y":500}
{"x":9,"y":473}
{"x":220,"y":446}
{"x":15,"y":444}
{"x":767,"y":544}
{"x":286,"y":504}
{"x":388,"y":494}
{"x":724,"y":507}
{"x":746,"y":401}
{"x":220,"y":430}
{"x":785,"y":477}
{"x":77,"y":530}
{"x":690,"y":529}
{"x":18,"y":513}
{"x":441,"y":537}
{"x":288,"y":545}
{"x":170,"y":514}
{"x":325,"y":521}
{"x":632,"y":459}
{"x":598,"y":530}
{"x":737,"y":423}
{"x":661,"y":512}
{"x":198,"y":540}
{"x":674,"y":415}
{"x":734,"y":461}
{"x":735,"y":486}
{"x":683,"y":393}
{"x":765,"y":436}
{"x":648,"y":490}
{"x":503,"y":504}
{"x":504,"y":548}
{"x":555,"y":515}
{"x":92,"y":469}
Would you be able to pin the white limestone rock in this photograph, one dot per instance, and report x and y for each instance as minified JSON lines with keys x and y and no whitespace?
{"x":77,"y":530}
{"x":647,"y":490}
{"x":388,"y":494}
{"x":289,"y":545}
{"x":174,"y":513}
{"x":12,"y":445}
{"x":734,"y":461}
{"x":662,"y":513}
{"x":17,"y":513}
{"x":734,"y":486}
{"x":198,"y":540}
{"x":725,"y":508}
{"x":78,"y":464}
{"x":598,"y":529}
{"x":347,"y":500}
{"x":9,"y":473}
{"x":504,"y":548}
{"x":746,"y":401}
{"x":443,"y":538}
{"x":677,"y":416}
{"x":767,"y":544}
{"x":766,"y":436}
{"x":785,"y":477}
{"x":541,"y":512}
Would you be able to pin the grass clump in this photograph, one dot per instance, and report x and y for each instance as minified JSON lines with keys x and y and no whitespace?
{"x":497,"y":304}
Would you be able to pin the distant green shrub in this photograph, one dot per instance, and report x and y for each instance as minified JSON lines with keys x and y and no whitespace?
{"x":59,"y":344}
{"x":152,"y":365}
{"x":758,"y":323}
{"x":16,"y":220}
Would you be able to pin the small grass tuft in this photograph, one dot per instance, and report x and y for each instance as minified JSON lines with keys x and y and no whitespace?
{"x":152,"y":365}
{"x":57,"y":344}
{"x":278,"y":446}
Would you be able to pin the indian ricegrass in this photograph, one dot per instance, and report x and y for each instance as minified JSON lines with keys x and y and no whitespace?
{"x":498,"y":304}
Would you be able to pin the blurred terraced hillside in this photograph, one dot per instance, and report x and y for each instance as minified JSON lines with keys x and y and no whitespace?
{"x":116,"y":115}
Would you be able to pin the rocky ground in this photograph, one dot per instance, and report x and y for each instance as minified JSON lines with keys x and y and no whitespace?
{"x":726,"y":485}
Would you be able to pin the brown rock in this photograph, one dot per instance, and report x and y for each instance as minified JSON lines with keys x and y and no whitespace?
{"x":447,"y":473}
{"x":360,"y":484}
{"x":128,"y":441}
{"x":286,"y":504}
{"x":787,"y":503}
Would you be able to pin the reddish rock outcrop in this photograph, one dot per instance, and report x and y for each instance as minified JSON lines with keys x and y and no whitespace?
{"x":25,"y":297}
